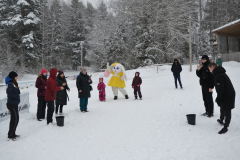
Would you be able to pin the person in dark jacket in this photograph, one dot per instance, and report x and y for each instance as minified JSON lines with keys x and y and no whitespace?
{"x":61,"y":97}
{"x":207,"y":83}
{"x":13,"y":100}
{"x":50,"y":94}
{"x":41,"y":84}
{"x":83,"y":84}
{"x":177,"y":69}
{"x":137,"y":81}
{"x":225,"y":95}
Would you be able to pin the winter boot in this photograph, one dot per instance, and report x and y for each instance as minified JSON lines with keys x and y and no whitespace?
{"x":115,"y":98}
{"x":39,"y":119}
{"x":220,"y":122}
{"x":141,"y":98}
{"x":205,"y":114}
{"x":126,"y":97}
{"x":86,"y":111}
{"x":181,"y":87}
{"x":49,"y":123}
{"x":12,"y":139}
{"x":224,"y":130}
{"x":136,"y":98}
{"x":210,"y":115}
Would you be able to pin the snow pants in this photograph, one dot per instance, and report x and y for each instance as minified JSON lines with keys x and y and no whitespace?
{"x":59,"y":106}
{"x":227,"y":115}
{"x":177,"y":77}
{"x":83,"y":103}
{"x":14,"y":119}
{"x":50,"y":111}
{"x":208,"y":100}
{"x":41,"y":110}
{"x":137,"y":90}
{"x":102,"y":95}
{"x":115,"y":91}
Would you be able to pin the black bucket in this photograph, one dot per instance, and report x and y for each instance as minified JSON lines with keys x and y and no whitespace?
{"x":191,"y":119}
{"x":60,"y":120}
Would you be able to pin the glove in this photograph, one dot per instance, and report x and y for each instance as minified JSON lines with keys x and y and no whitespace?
{"x":138,"y":85}
{"x":122,"y":78}
{"x":132,"y":86}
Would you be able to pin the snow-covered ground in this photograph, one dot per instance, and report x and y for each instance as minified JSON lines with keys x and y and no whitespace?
{"x":152,"y":129}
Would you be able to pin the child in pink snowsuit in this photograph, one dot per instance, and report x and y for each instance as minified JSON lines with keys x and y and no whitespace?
{"x":101,"y":89}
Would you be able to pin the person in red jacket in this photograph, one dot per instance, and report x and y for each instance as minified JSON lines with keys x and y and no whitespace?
{"x":50,"y":94}
{"x":41,"y":84}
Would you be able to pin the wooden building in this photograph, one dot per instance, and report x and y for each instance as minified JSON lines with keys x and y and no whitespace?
{"x":228,"y":41}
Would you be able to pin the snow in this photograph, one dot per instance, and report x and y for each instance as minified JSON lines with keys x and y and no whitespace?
{"x":28,"y":38}
{"x":32,"y":19}
{"x":154,"y":128}
{"x":227,"y":25}
{"x":23,"y":2}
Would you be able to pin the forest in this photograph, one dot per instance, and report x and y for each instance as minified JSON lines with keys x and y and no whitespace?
{"x":37,"y":34}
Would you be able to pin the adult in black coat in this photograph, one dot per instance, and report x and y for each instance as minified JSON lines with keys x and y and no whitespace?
{"x":83,"y":84}
{"x":225,"y":94}
{"x":177,"y":69}
{"x":13,"y":100}
{"x":61,"y":96}
{"x":207,"y":83}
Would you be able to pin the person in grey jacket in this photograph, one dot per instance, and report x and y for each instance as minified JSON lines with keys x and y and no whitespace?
{"x":13,"y":100}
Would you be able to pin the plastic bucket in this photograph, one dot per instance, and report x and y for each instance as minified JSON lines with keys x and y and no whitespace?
{"x":191,"y":118}
{"x":60,"y":120}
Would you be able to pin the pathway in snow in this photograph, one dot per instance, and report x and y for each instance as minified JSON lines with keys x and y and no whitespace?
{"x":154,"y":128}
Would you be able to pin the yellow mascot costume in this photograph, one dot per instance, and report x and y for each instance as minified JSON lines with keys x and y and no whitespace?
{"x":117,"y":80}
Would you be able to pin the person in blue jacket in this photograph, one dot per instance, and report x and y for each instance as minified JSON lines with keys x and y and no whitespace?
{"x":13,"y":100}
{"x":177,"y":69}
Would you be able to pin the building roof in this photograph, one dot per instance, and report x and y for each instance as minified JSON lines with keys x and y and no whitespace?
{"x":231,"y":29}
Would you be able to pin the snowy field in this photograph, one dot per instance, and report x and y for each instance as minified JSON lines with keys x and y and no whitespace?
{"x":152,"y":129}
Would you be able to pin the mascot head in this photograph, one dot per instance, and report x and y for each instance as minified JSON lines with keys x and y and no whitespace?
{"x":115,"y":69}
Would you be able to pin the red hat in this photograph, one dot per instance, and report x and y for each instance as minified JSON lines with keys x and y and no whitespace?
{"x":44,"y":71}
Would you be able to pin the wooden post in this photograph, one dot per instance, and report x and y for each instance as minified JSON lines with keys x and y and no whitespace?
{"x":218,"y":43}
{"x":81,"y":54}
{"x":227,"y":44}
{"x":190,"y":44}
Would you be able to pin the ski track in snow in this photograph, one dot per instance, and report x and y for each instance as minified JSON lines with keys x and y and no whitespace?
{"x":152,"y":129}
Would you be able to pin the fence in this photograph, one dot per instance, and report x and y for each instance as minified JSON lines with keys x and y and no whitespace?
{"x":231,"y":57}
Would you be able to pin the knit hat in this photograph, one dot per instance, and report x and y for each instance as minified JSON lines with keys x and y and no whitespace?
{"x":44,"y":71}
{"x":83,"y":69}
{"x":205,"y":57}
{"x":12,"y":75}
{"x":60,"y":72}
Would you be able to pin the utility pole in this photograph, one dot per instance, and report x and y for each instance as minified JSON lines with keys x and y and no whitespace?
{"x":82,"y":54}
{"x":190,"y":44}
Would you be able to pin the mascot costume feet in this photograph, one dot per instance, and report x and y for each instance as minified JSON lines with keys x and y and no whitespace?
{"x":117,"y":80}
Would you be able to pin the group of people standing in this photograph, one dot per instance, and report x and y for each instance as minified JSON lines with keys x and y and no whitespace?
{"x":53,"y":92}
{"x":214,"y":75}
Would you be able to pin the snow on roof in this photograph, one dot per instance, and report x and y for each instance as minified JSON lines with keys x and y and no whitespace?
{"x":23,"y":2}
{"x":227,"y":25}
